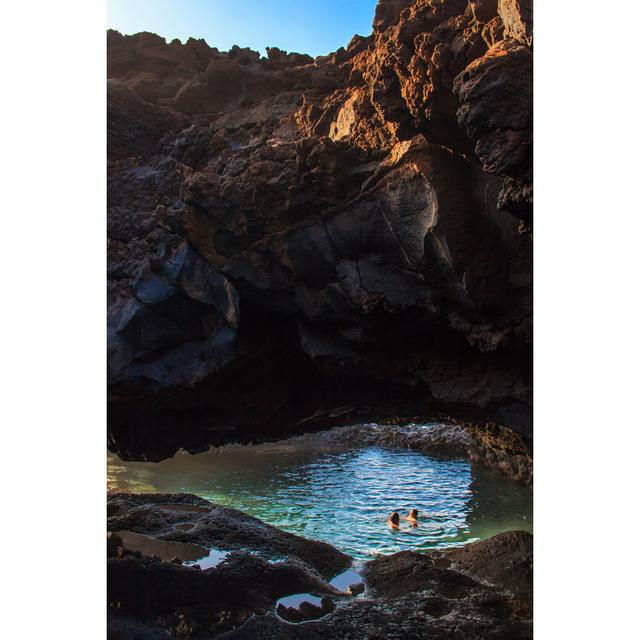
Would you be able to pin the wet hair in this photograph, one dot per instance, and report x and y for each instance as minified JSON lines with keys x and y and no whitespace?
{"x":395,"y":517}
{"x":413,"y":513}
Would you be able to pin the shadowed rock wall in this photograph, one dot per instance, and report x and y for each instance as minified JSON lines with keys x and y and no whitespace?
{"x":296,"y":241}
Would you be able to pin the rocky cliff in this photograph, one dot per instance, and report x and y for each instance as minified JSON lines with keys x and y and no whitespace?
{"x":294,"y":240}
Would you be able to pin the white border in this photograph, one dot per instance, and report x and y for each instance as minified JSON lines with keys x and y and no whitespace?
{"x":53,"y":421}
{"x":52,"y":321}
{"x":586,"y":319}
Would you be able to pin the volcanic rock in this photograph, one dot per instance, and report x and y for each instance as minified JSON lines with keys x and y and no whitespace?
{"x":505,"y":560}
{"x":220,"y":527}
{"x":290,"y":236}
{"x":480,"y":591}
{"x":502,"y":449}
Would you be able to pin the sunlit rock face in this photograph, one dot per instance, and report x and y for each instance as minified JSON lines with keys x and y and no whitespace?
{"x":295,"y":241}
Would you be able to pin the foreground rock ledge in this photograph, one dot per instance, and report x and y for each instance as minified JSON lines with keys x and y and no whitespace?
{"x":480,"y":591}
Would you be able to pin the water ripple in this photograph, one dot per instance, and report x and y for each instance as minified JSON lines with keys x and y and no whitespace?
{"x":344,"y":497}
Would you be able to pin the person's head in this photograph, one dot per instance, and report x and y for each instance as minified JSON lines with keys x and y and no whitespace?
{"x":394,"y":518}
{"x":413,"y":514}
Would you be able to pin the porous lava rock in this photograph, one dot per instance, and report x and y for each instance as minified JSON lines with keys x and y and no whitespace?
{"x":290,"y":236}
{"x":220,"y":527}
{"x":478,"y":592}
{"x":505,"y":560}
{"x":262,"y":564}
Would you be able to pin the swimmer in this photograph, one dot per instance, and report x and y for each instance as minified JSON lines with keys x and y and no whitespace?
{"x":394,"y":520}
{"x":413,"y":517}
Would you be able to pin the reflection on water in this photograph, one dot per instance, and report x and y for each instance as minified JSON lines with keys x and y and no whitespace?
{"x":168,"y":550}
{"x":343,"y":497}
{"x":346,"y":579}
{"x":297,"y":599}
{"x":163,"y":549}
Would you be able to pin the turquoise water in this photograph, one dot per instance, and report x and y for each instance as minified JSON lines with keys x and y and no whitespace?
{"x":343,"y":497}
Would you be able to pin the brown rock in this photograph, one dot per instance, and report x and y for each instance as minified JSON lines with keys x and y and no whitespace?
{"x":484,"y":10}
{"x":505,"y":561}
{"x":517,"y":17}
{"x":500,"y":448}
{"x":388,"y":13}
{"x":408,"y":572}
{"x":290,"y":236}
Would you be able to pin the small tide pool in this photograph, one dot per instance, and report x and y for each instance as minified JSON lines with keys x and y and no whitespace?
{"x":343,"y":497}
{"x":166,"y":550}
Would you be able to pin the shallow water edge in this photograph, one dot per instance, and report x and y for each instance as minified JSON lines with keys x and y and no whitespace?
{"x":338,"y":487}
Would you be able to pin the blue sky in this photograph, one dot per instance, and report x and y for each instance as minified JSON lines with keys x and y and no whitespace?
{"x":316,"y":27}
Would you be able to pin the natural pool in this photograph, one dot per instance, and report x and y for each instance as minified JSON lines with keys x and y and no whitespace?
{"x":343,"y":497}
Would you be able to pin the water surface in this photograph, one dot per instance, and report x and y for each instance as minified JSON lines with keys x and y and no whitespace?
{"x":343,"y":497}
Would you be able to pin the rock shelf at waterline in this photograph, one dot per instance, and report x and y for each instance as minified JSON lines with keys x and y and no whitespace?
{"x":483,"y":590}
{"x":339,"y":487}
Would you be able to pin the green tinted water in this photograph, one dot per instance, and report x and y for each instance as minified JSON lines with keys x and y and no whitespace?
{"x":343,"y":497}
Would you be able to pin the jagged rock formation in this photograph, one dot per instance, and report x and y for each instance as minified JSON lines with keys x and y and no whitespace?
{"x":295,"y":240}
{"x":482,"y":591}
